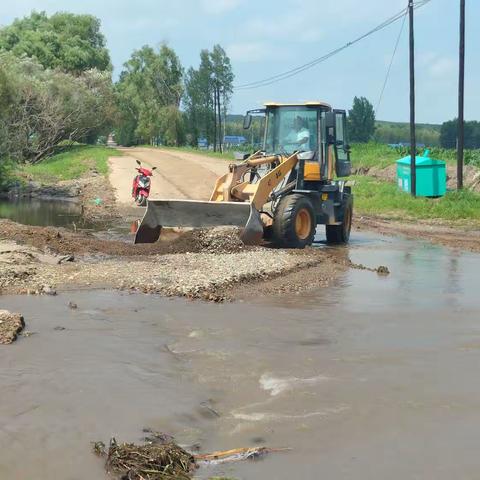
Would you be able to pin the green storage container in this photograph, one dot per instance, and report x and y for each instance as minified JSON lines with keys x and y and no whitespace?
{"x":431,"y":176}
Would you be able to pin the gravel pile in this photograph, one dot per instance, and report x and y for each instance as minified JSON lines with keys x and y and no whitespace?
{"x":60,"y":241}
{"x":207,"y":264}
{"x":193,"y":275}
{"x":211,"y":240}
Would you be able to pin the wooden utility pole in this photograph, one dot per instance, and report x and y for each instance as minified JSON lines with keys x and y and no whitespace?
{"x":461,"y":99}
{"x":214,"y":120}
{"x":413,"y":140}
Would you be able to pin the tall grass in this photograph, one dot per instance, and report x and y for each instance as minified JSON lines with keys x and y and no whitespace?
{"x":375,"y":197}
{"x":367,"y":155}
{"x":380,"y":155}
{"x":71,"y":164}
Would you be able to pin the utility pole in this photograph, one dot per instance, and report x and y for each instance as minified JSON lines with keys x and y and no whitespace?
{"x":461,"y":99}
{"x":413,"y":140}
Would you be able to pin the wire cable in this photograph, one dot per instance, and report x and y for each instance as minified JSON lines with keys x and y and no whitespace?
{"x":316,"y":61}
{"x":380,"y":98}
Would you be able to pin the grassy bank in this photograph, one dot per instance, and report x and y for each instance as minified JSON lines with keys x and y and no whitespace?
{"x":381,"y":156}
{"x":377,"y":197}
{"x":71,"y":164}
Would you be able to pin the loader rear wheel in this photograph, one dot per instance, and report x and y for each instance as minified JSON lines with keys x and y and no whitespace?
{"x":294,"y":224}
{"x":339,"y":234}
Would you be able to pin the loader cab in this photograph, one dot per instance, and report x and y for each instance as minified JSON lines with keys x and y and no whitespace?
{"x":291,"y":128}
{"x":312,"y":127}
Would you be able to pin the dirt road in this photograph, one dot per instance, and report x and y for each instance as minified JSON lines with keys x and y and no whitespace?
{"x":178,"y":174}
{"x":209,"y":265}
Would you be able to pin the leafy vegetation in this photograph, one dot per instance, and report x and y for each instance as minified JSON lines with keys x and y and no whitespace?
{"x":208,"y":92}
{"x":69,"y":42}
{"x":56,"y":87}
{"x":148,"y":97}
{"x":46,"y":107}
{"x":399,"y":132}
{"x":448,"y":134}
{"x":361,"y":121}
{"x":71,"y":164}
{"x":365,"y":155}
{"x":7,"y":175}
{"x":376,"y":197}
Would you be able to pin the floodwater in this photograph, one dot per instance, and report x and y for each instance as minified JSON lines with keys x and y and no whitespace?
{"x":59,"y":213}
{"x":41,"y":212}
{"x":373,"y":378}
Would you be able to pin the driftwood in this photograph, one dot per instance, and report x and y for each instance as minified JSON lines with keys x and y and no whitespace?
{"x":158,"y":460}
{"x":236,"y":455}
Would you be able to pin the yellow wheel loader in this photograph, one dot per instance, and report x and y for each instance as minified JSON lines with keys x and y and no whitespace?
{"x":280,"y":193}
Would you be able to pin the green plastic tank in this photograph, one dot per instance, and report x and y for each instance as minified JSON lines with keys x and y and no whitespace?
{"x":431,"y":176}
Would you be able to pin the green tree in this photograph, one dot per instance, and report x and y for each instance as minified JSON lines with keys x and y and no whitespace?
{"x":448,"y":134}
{"x":47,"y":107}
{"x":393,"y":132}
{"x":199,"y":102}
{"x":361,"y":120}
{"x":208,"y":92}
{"x":222,"y":81}
{"x":72,"y":43}
{"x":149,"y":92}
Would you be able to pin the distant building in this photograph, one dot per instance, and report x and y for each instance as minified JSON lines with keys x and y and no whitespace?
{"x":233,"y":140}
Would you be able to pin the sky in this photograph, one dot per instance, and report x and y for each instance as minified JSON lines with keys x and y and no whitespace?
{"x":266,"y":37}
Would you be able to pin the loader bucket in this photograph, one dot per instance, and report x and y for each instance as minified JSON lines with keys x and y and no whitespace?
{"x":199,"y":214}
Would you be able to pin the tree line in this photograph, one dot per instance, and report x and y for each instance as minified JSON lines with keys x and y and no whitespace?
{"x":56,"y":88}
{"x":448,"y":134}
{"x":55,"y":84}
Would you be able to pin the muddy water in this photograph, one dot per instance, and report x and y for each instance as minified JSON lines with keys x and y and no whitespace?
{"x":34,"y":211}
{"x":61,"y":213}
{"x":376,"y":378}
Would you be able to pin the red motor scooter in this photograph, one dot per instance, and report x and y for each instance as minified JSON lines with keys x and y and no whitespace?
{"x":141,"y":184}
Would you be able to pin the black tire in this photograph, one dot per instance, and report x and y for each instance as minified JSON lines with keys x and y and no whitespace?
{"x":268,"y":233}
{"x":340,"y":234}
{"x":286,"y":232}
{"x":141,"y":200}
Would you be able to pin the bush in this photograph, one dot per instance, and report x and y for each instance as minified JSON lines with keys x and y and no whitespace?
{"x":6,"y":174}
{"x":48,"y":107}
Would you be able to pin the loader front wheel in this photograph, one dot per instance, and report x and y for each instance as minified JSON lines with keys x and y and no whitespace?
{"x":294,"y":224}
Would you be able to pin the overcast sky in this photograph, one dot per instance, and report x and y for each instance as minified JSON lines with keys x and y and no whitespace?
{"x":267,"y":37}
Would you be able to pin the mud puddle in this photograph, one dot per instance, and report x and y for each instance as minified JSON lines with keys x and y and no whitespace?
{"x":373,"y":378}
{"x":61,"y":213}
{"x":43,"y":213}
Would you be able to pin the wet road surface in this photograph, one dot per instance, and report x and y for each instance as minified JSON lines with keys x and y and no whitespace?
{"x":374,"y":378}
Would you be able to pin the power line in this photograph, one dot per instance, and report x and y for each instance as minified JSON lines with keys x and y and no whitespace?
{"x":391,"y":63}
{"x":316,"y":61}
